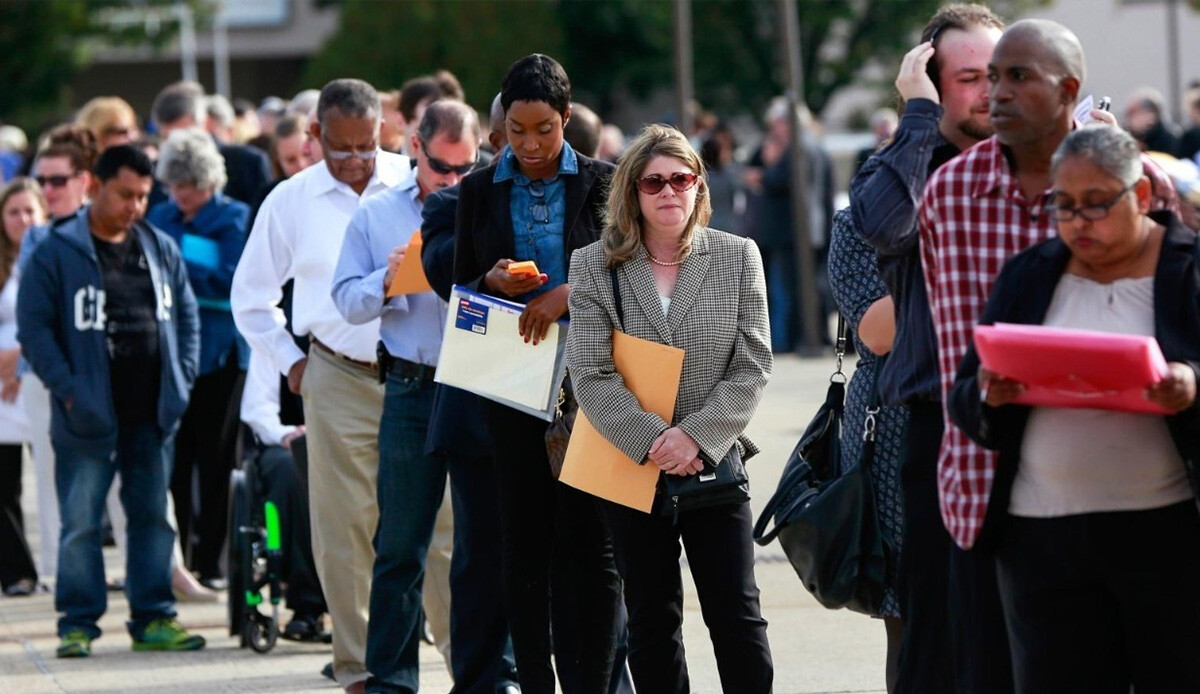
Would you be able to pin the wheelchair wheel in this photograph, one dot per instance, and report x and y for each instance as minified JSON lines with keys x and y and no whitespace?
{"x":260,"y":632}
{"x":238,"y":553}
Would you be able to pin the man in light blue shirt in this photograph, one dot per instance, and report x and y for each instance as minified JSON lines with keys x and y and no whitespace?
{"x":411,"y":484}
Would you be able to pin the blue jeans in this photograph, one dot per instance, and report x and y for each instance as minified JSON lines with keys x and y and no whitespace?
{"x":83,"y":479}
{"x":410,"y":488}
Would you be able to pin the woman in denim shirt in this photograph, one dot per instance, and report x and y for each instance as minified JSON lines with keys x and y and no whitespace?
{"x":211,"y":231}
{"x":540,"y":200}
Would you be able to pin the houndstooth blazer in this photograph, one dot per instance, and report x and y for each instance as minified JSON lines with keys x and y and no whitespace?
{"x":718,"y":316}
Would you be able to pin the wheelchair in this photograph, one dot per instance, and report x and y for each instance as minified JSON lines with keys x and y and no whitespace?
{"x":255,"y":560}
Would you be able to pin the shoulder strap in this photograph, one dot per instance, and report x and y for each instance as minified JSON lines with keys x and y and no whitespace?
{"x":612,"y":273}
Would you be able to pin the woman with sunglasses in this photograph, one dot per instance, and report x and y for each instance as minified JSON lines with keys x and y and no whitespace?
{"x":681,"y":284}
{"x":1097,"y":528}
{"x":540,"y":200}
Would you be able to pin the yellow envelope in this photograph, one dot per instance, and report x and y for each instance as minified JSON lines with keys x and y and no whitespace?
{"x":410,"y":276}
{"x":592,"y":463}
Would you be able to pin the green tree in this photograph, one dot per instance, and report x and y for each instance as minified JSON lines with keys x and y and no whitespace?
{"x":45,"y":43}
{"x":386,"y":43}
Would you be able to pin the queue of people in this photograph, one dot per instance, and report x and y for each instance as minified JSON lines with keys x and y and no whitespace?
{"x":1031,"y":548}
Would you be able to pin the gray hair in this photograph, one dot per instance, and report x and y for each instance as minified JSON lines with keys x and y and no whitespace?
{"x":453,"y":119}
{"x":351,"y":97}
{"x":220,"y":110}
{"x":190,"y":156}
{"x":179,"y":100}
{"x":304,"y":103}
{"x":1112,"y":149}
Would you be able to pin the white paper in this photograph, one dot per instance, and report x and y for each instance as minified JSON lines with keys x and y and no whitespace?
{"x":482,"y":352}
{"x":1083,"y":111}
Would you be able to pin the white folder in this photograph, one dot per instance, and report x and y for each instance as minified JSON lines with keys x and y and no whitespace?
{"x":482,"y":352}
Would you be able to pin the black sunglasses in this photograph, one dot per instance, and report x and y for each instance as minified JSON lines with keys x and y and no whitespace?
{"x":653,"y":184}
{"x":445,"y":169}
{"x":56,"y":181}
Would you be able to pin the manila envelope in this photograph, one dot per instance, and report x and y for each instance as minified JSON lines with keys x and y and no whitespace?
{"x":593,"y":464}
{"x":410,"y":276}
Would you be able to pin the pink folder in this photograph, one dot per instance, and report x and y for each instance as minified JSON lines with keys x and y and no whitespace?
{"x":1062,"y":367}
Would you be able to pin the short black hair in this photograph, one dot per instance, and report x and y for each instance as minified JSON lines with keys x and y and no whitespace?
{"x":413,"y":92}
{"x":536,"y":77}
{"x":123,"y":156}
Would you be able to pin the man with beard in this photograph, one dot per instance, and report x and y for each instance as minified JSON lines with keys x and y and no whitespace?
{"x":978,"y":211}
{"x":944,"y":87}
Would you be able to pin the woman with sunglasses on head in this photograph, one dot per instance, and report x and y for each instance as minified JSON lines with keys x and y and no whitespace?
{"x":1096,"y":525}
{"x":702,"y":290}
{"x":540,"y":200}
{"x":21,"y":206}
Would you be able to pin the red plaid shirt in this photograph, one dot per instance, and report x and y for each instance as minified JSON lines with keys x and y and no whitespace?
{"x":973,"y":218}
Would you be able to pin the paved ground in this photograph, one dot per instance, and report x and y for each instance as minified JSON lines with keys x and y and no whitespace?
{"x":815,"y":650}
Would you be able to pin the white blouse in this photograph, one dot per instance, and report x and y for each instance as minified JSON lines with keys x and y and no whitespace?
{"x":14,"y":426}
{"x":1076,"y":461}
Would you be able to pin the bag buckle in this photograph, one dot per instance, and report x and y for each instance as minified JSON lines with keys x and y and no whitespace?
{"x":869,"y":424}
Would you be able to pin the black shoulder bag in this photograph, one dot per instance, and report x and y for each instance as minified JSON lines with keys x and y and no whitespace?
{"x":827,"y":522}
{"x":720,"y":482}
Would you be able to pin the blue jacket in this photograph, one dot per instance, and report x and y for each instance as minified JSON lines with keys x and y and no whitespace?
{"x":60,"y":325}
{"x":211,"y":245}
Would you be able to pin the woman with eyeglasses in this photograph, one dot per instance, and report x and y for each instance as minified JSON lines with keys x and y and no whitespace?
{"x":540,"y":200}
{"x":210,"y":229}
{"x":682,"y":284}
{"x":21,"y":206}
{"x":1097,"y":530}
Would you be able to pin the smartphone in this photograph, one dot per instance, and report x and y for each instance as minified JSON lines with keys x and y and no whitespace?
{"x":1105,"y":104}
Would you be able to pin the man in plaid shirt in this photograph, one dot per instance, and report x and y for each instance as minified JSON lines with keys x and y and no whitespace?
{"x":984,"y":207}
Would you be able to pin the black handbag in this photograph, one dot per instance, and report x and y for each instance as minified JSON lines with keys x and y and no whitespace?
{"x":827,"y":522}
{"x":558,"y":434}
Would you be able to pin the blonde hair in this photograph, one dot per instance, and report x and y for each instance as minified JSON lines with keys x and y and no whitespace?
{"x":622,"y":233}
{"x":104,"y":112}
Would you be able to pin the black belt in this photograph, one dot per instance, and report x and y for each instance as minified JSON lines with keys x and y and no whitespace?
{"x":403,"y":367}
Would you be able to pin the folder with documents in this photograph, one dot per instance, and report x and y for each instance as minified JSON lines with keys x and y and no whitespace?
{"x":651,"y":372}
{"x":483,"y":352}
{"x":410,"y":276}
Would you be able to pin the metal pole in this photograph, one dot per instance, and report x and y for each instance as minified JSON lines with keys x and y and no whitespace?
{"x":221,"y":79}
{"x":187,"y":43}
{"x":806,"y":271}
{"x":1173,"y":58}
{"x":683,"y":65}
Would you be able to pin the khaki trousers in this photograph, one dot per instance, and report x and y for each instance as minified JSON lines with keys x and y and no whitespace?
{"x":342,"y":406}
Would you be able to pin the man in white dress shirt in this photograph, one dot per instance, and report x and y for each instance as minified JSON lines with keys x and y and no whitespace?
{"x":298,"y":236}
{"x":411,"y":483}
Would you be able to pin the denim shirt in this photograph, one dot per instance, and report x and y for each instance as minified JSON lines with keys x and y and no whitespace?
{"x":883,"y":203}
{"x":538,"y":209}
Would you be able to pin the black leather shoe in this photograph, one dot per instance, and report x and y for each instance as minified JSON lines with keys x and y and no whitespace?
{"x":214,"y":582}
{"x":308,"y":628}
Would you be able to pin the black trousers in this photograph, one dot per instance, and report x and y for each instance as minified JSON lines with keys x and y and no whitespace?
{"x":16,"y":562}
{"x":953,"y":638}
{"x":205,"y":453}
{"x":282,"y":483}
{"x":721,"y":557}
{"x":1101,"y":601}
{"x":535,"y":510}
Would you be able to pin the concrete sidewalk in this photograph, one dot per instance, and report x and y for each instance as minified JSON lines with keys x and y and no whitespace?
{"x":814,"y":650}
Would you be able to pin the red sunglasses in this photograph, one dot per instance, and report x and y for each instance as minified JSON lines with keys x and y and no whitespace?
{"x":653,"y":184}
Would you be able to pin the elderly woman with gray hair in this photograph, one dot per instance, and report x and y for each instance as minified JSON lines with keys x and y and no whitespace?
{"x":1095,"y":511}
{"x":211,"y":231}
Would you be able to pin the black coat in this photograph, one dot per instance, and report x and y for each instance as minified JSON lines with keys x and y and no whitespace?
{"x":1022,"y":294}
{"x":484,"y":231}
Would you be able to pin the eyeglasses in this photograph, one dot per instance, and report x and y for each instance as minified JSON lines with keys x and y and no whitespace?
{"x":445,"y":169}
{"x":539,"y":210}
{"x":56,"y":181}
{"x":1092,"y":211}
{"x":343,"y":155}
{"x":653,"y":184}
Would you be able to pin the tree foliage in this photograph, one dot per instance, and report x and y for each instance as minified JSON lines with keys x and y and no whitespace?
{"x":615,"y":46}
{"x":45,"y":43}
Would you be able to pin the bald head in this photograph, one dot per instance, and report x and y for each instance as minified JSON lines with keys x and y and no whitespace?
{"x":497,"y":135}
{"x":1055,"y":47}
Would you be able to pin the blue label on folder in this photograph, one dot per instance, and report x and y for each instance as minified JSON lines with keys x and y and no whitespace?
{"x":471,"y":316}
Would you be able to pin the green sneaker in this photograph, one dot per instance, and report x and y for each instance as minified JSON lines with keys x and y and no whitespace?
{"x":165,"y":634}
{"x":74,"y":644}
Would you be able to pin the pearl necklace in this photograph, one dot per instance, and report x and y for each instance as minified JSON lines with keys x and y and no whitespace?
{"x":656,"y":261}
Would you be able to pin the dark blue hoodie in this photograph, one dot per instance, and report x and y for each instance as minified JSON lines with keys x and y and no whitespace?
{"x":61,"y":328}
